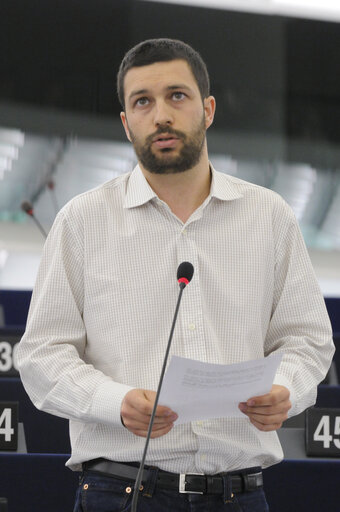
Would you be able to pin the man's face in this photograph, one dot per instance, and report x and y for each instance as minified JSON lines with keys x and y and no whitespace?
{"x":165,"y":118}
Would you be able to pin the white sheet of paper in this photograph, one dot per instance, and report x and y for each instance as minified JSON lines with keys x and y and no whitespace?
{"x":198,"y":391}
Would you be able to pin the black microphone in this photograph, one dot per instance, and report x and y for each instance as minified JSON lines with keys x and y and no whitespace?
{"x":27,"y":207}
{"x":185,"y":272}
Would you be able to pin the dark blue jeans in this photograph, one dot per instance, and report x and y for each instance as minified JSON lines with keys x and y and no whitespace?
{"x":97,"y":493}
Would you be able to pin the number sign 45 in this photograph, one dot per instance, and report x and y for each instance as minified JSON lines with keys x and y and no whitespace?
{"x":323,"y":432}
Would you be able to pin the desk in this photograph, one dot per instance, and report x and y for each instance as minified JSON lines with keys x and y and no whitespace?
{"x":37,"y":482}
{"x":303,"y":486}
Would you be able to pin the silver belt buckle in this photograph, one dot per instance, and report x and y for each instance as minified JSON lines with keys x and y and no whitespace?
{"x":182,"y":484}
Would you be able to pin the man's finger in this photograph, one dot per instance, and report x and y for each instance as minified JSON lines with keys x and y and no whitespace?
{"x":144,"y":404}
{"x":154,"y":433}
{"x":141,"y":402}
{"x":264,"y":400}
{"x":136,"y":410}
{"x":277,"y":394}
{"x":136,"y":416}
{"x":130,"y":421}
{"x":266,"y":428}
{"x":267,"y":410}
{"x":268,"y":420}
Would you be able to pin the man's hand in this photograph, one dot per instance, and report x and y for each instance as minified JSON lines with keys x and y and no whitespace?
{"x":136,"y":412}
{"x":268,"y":412}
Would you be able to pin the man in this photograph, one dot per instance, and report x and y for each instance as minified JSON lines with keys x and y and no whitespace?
{"x":106,"y":291}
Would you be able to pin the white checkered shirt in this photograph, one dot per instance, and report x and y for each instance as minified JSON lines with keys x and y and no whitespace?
{"x":104,"y":300}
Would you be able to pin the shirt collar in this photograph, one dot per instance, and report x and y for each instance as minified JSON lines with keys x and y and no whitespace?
{"x":139,"y":191}
{"x":223,"y":187}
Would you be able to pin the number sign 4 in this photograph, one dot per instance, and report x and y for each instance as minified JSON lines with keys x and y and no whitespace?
{"x":8,"y":426}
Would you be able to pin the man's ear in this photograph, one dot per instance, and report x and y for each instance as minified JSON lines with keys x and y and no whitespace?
{"x":209,"y":110}
{"x":125,"y":124}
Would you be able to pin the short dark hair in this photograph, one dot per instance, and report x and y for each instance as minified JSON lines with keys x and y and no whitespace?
{"x":162,"y":50}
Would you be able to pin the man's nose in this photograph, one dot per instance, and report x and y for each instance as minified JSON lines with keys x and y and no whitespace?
{"x":163,"y":114}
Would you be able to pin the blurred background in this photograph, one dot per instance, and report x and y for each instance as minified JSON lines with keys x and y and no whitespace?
{"x":274,"y":68}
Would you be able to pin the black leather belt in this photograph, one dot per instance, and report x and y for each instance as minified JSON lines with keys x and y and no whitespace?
{"x":183,"y":483}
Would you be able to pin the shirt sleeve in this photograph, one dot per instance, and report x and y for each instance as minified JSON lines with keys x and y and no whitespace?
{"x":50,"y":354}
{"x":299,"y":325}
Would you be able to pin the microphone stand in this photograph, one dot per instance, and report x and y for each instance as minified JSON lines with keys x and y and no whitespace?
{"x":141,"y":467}
{"x":38,"y":225}
{"x":51,"y":188}
{"x":27,"y":207}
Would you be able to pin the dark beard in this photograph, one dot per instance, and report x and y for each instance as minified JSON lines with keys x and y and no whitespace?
{"x":188,"y":157}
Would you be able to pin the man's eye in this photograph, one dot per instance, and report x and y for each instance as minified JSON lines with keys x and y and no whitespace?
{"x":142,"y":102}
{"x":178,"y":96}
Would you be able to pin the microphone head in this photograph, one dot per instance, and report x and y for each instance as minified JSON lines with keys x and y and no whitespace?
{"x":185,"y":272}
{"x":27,"y":207}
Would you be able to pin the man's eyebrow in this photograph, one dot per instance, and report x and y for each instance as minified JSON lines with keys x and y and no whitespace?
{"x":136,"y":93}
{"x":169,"y":88}
{"x":178,"y":86}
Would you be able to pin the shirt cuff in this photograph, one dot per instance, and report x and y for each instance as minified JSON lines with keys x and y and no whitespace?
{"x":281,"y":380}
{"x":107,"y":402}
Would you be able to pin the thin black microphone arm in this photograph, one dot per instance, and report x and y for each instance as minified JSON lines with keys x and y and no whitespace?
{"x":182,"y":285}
{"x":27,"y":207}
{"x":39,"y":226}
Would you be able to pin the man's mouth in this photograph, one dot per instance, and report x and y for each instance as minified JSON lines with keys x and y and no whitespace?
{"x":165,"y":141}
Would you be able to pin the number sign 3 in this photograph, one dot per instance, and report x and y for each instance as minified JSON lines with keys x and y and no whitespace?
{"x":8,"y":366}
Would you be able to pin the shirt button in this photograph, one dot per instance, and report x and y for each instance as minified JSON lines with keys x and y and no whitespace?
{"x":203,"y":457}
{"x":199,"y":423}
{"x":192,"y":327}
{"x":184,"y":231}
